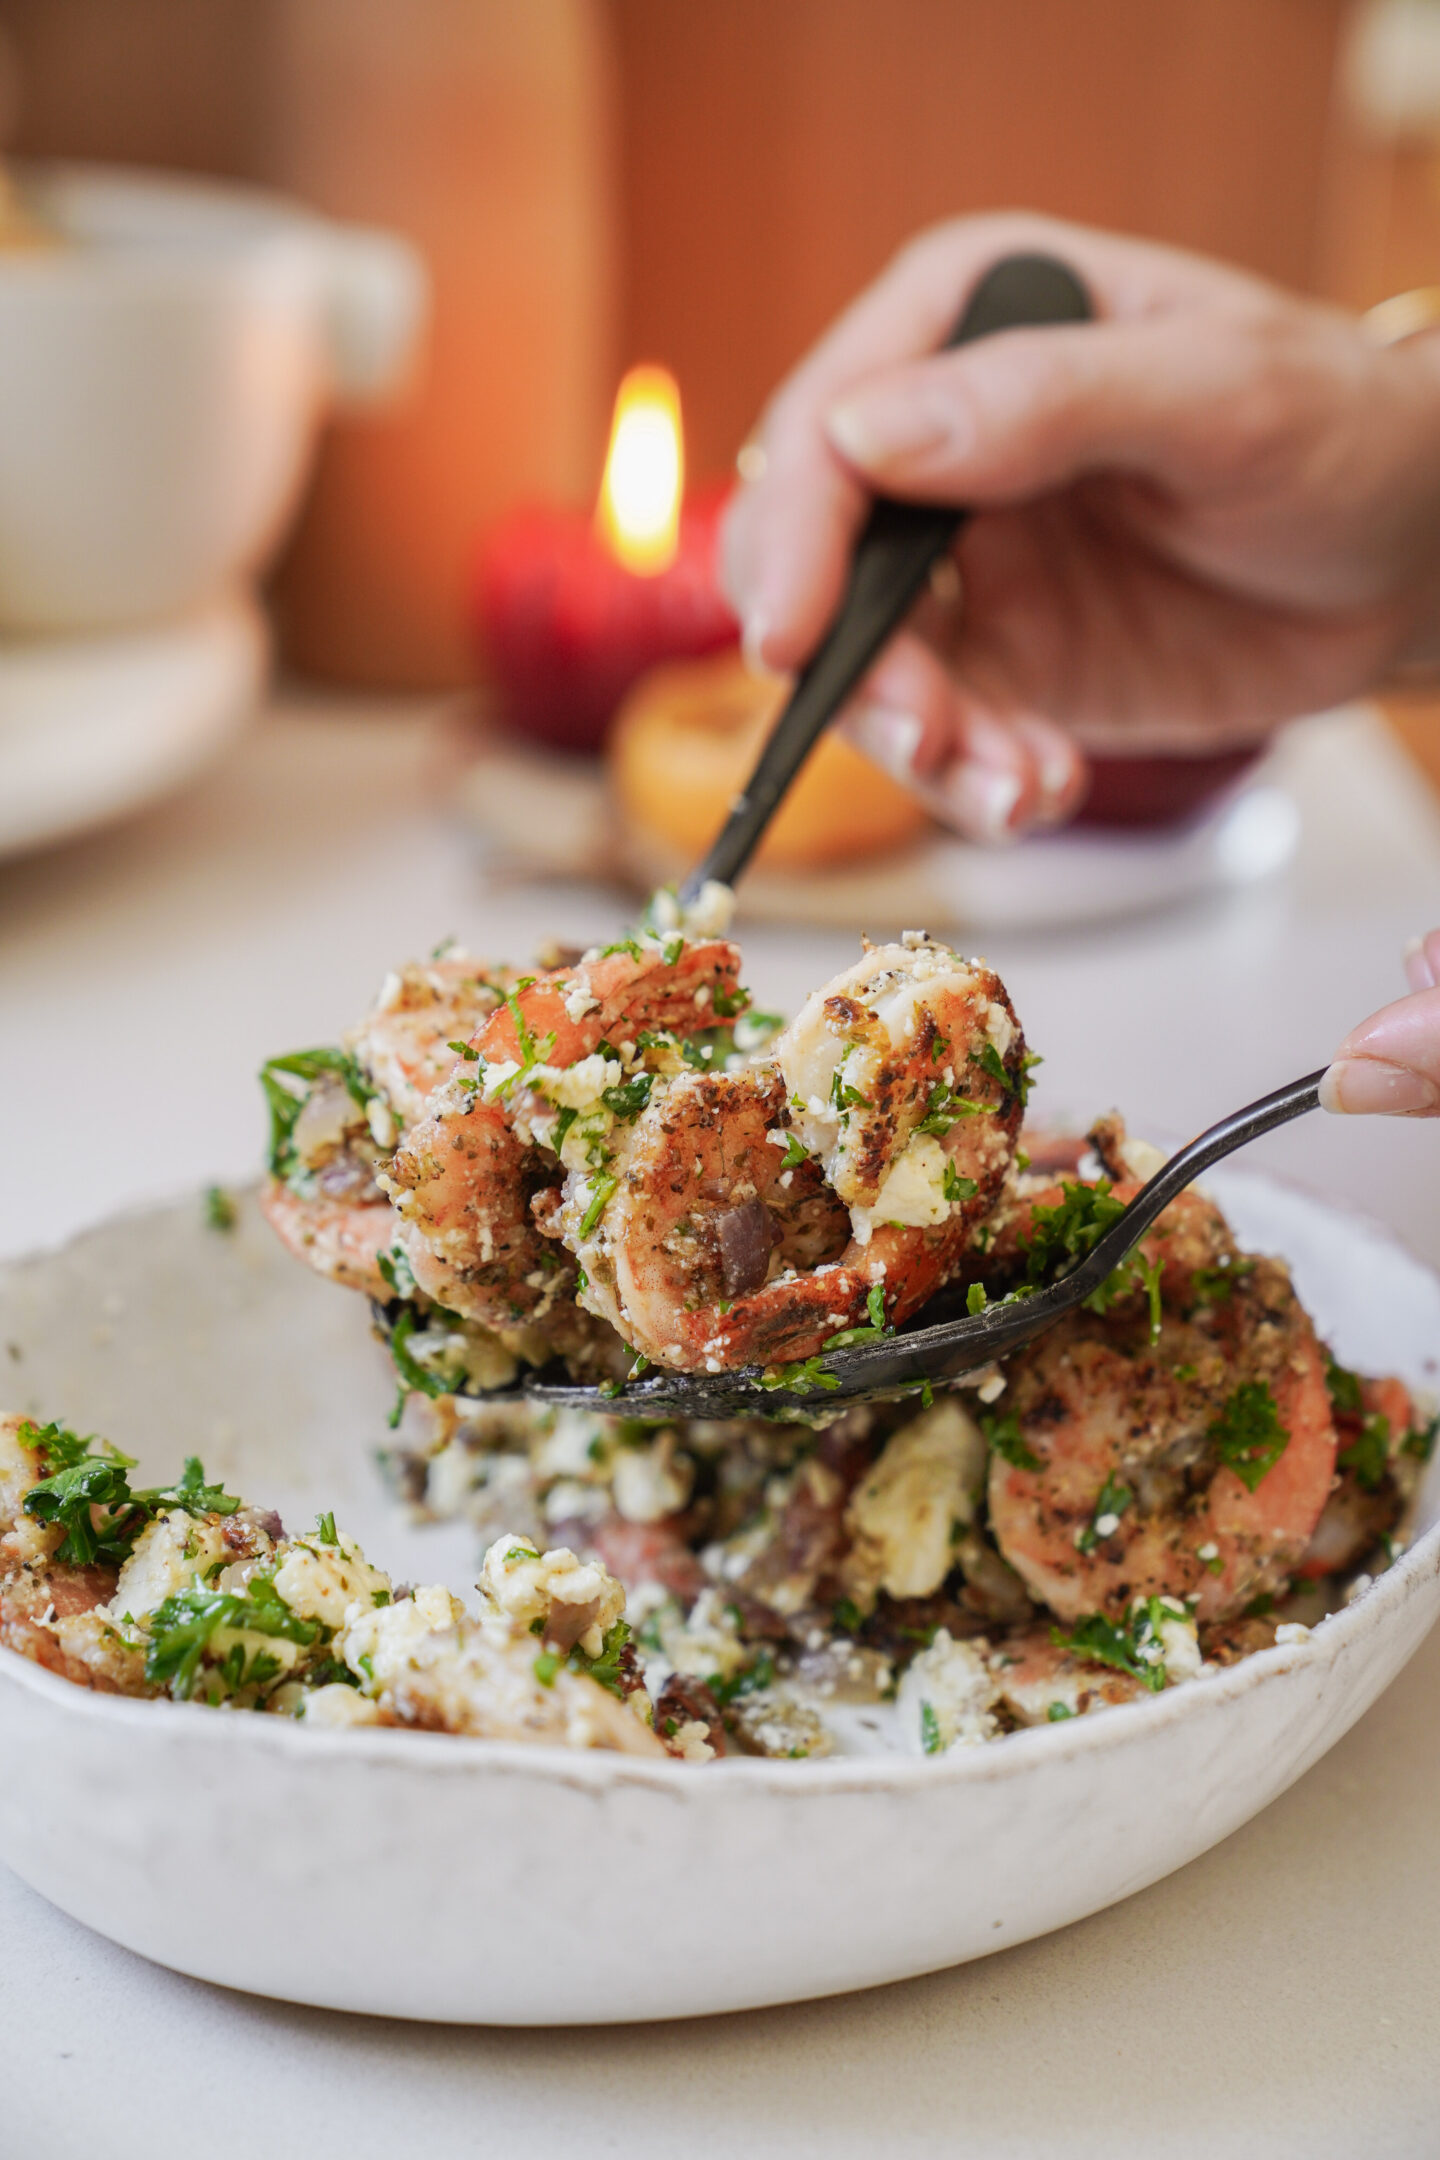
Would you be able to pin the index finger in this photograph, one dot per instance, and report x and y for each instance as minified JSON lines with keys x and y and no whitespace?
{"x":790,"y":532}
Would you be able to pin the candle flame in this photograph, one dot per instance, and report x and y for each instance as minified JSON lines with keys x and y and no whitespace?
{"x":639,"y":509}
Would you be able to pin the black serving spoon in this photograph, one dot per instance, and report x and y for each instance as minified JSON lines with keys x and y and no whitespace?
{"x":898,"y":548}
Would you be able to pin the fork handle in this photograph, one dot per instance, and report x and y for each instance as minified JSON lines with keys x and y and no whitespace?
{"x":898,"y":548}
{"x":1212,"y":1146}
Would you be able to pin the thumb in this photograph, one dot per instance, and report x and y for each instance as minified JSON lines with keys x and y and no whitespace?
{"x":1390,"y":1064}
{"x":1027,"y":411}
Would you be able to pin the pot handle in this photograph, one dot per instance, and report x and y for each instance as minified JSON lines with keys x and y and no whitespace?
{"x":376,"y":310}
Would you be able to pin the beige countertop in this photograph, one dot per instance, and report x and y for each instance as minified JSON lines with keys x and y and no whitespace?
{"x":1281,"y":1996}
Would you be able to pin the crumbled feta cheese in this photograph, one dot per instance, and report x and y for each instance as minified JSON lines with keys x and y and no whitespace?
{"x":652,"y":1481}
{"x":573,"y":1087}
{"x":913,"y":1190}
{"x":1290,"y":1631}
{"x":575,"y":1601}
{"x":321,"y":1582}
{"x":691,"y":1741}
{"x":1180,"y":1647}
{"x":169,"y":1555}
{"x":709,"y":914}
{"x":579,"y":1002}
{"x":1141,"y":1159}
{"x":381,"y":1120}
{"x":947,"y":1697}
{"x":337,"y":1706}
{"x":496,"y":1075}
{"x":904,"y":1515}
{"x":379,"y":1642}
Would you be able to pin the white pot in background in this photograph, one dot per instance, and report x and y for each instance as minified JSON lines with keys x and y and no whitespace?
{"x":162,"y":375}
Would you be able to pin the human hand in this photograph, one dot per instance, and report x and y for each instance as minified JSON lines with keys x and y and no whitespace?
{"x":1216,"y":507}
{"x":1390,"y":1064}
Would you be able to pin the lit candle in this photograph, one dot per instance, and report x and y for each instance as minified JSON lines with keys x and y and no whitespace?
{"x":572,"y":610}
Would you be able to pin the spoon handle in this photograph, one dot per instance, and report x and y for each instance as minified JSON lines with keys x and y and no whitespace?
{"x":897,"y":550}
{"x":1191,"y":1162}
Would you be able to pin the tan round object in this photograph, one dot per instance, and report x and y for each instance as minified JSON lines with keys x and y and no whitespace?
{"x":684,"y":744}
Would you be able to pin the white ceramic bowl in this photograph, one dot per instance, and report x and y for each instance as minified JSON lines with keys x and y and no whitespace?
{"x":429,"y":1877}
{"x":162,"y":375}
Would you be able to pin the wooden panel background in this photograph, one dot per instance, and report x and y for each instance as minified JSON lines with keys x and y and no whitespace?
{"x":774,"y":155}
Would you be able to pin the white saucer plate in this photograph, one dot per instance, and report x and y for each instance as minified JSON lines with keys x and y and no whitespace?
{"x":95,"y":728}
{"x":424,"y":1876}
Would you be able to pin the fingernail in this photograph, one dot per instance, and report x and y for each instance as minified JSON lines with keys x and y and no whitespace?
{"x":1418,"y":971}
{"x":982,"y":802}
{"x":890,"y":739}
{"x":1368,"y":1087}
{"x":753,"y":633}
{"x":883,"y":425}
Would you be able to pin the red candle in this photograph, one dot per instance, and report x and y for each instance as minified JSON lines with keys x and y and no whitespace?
{"x":572,"y":610}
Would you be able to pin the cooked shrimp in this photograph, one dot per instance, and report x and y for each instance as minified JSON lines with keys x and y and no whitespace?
{"x":1194,"y":1464}
{"x":351,"y":1105}
{"x":907,"y":1076}
{"x":1041,"y":1682}
{"x":1377,"y":1468}
{"x":533,"y":1085}
{"x":749,"y":1217}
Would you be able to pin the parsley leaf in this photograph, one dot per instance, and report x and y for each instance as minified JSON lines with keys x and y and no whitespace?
{"x":930,"y":1735}
{"x":1248,"y":1434}
{"x":944,"y":1108}
{"x":801,"y":1377}
{"x":1368,"y":1455}
{"x":1134,"y":1646}
{"x":1114,"y":1498}
{"x":1344,"y":1387}
{"x":794,"y":1153}
{"x":954,"y":1188}
{"x":285,"y":1100}
{"x":628,"y":1098}
{"x":220,"y":1209}
{"x":1002,"y":1435}
{"x":843,"y":1096}
{"x":727,"y":1005}
{"x":182,"y":1629}
{"x":603,"y":1188}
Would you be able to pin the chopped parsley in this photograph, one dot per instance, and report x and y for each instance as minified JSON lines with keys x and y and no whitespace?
{"x":955,"y":1188}
{"x":1002,"y":1434}
{"x":847,"y":1615}
{"x":278,"y":1077}
{"x":1113,"y":1500}
{"x":1248,"y":1435}
{"x":990,"y":1062}
{"x":1057,"y":1711}
{"x":88,"y":1481}
{"x":1213,"y":1285}
{"x":1344,"y":1388}
{"x":1420,"y":1440}
{"x":627,"y":1099}
{"x":794,"y":1153}
{"x":843,"y":1096}
{"x":182,"y":1629}
{"x":1060,"y":1237}
{"x":930,"y":1736}
{"x":944,"y":1108}
{"x":728,"y":1005}
{"x":325,"y":1532}
{"x":877,"y":1329}
{"x":1133,"y":1646}
{"x":603,"y":1187}
{"x":977,"y":1297}
{"x":221,"y":1212}
{"x":759,"y":1673}
{"x":1368,"y":1455}
{"x":801,"y":1377}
